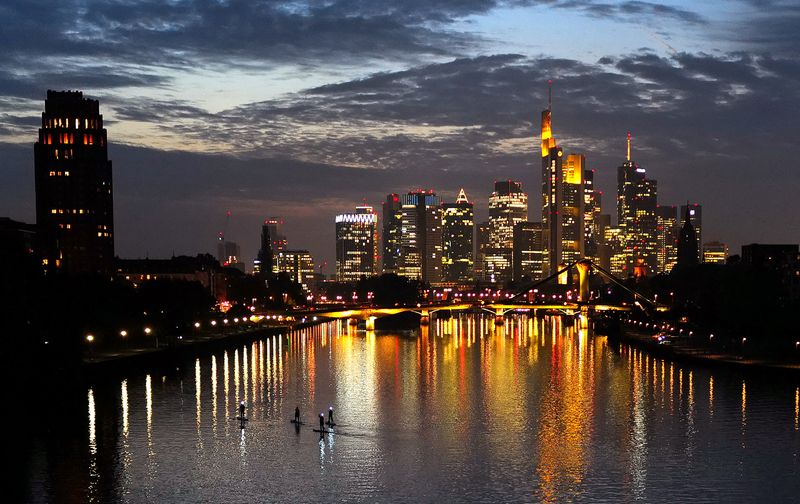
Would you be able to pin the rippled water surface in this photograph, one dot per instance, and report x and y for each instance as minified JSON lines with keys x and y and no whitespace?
{"x":535,"y":410}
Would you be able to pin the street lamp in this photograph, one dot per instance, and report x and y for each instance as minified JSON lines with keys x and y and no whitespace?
{"x":89,"y":340}
{"x":197,"y":325}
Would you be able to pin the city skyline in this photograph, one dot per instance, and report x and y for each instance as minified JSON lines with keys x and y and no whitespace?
{"x":711,"y":116}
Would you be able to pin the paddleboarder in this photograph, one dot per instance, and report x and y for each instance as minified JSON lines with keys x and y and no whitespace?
{"x":321,"y":422}
{"x":330,"y":415}
{"x":297,"y":414}
{"x":241,"y":410}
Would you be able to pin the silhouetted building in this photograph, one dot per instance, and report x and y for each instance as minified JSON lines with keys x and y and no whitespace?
{"x":203,"y":269}
{"x":356,"y":236}
{"x":392,"y":229}
{"x":18,"y":249}
{"x":687,"y":243}
{"x":229,"y":253}
{"x":74,"y":201}
{"x":695,"y":212}
{"x":481,"y":246}
{"x":784,"y":260}
{"x":458,"y":231}
{"x":528,"y":255}
{"x":715,"y":253}
{"x":264,"y":259}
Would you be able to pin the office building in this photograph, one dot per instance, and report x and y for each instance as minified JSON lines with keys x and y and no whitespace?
{"x":481,"y":246}
{"x":508,"y":205}
{"x":636,"y":217}
{"x":667,"y":237}
{"x":552,"y":174}
{"x":592,"y":199}
{"x":356,"y":236}
{"x":458,"y":231}
{"x":298,"y":265}
{"x":528,"y":255}
{"x":392,"y":229}
{"x":421,"y":236}
{"x":74,"y":200}
{"x":715,"y":253}
{"x":571,"y":214}
{"x":695,"y":212}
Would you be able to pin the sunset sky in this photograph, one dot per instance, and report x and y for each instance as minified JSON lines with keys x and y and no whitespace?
{"x":304,"y":109}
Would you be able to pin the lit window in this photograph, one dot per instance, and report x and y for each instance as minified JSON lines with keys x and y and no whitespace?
{"x":53,"y":211}
{"x":66,"y":174}
{"x":52,"y":174}
{"x":99,"y":234}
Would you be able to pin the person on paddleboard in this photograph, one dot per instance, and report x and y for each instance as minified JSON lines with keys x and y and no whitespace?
{"x":297,"y":414}
{"x":241,"y":410}
{"x":321,"y":422}
{"x":330,"y":415}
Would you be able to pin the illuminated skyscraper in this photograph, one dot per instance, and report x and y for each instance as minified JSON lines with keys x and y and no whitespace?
{"x":637,"y":219}
{"x":392,"y":228}
{"x":458,"y":231}
{"x":421,"y":236}
{"x":667,"y":237}
{"x":551,"y":193}
{"x":695,"y":213}
{"x":591,"y":210}
{"x":715,"y":252}
{"x":528,"y":251}
{"x":571,"y":213}
{"x":74,"y":202}
{"x":299,"y":265}
{"x":355,"y":244}
{"x":508,"y":205}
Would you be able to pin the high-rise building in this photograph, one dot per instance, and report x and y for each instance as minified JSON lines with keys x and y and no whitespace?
{"x":571,"y":213}
{"x":508,"y":205}
{"x":615,"y":243}
{"x":602,"y":224}
{"x":667,"y":237}
{"x":551,"y":193}
{"x":229,"y":253}
{"x":392,"y":229}
{"x":265,"y":259}
{"x":695,"y":213}
{"x":458,"y":231}
{"x":528,"y":254}
{"x":481,"y":246}
{"x":591,"y":211}
{"x":636,"y":214}
{"x":687,"y":242}
{"x":355,"y":244}
{"x":299,"y":265}
{"x":715,"y":252}
{"x":421,"y":236}
{"x":74,"y":201}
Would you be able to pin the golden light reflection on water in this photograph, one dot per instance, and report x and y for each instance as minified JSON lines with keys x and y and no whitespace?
{"x":797,"y":409}
{"x":198,"y":404}
{"x":93,"y":473}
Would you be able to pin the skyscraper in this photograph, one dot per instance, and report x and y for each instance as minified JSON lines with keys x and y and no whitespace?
{"x":687,"y":242}
{"x":392,"y":229}
{"x":695,"y":213}
{"x":458,"y":231}
{"x":355,"y":244}
{"x":265,"y":258}
{"x":299,"y":265}
{"x":508,"y":205}
{"x":421,"y":236}
{"x":591,"y":211}
{"x":571,"y":213}
{"x":667,"y":237}
{"x":74,"y":201}
{"x":528,"y":255}
{"x":551,"y":192}
{"x":637,"y":219}
{"x":481,"y":246}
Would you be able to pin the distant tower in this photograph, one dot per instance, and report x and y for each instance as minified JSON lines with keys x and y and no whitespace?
{"x":551,"y":189}
{"x":265,"y":259}
{"x":687,"y":243}
{"x":695,"y":212}
{"x":458,"y":238}
{"x":74,"y":201}
{"x":636,"y":216}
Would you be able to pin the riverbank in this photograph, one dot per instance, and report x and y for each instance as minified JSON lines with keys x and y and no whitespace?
{"x":125,"y":360}
{"x":682,"y":350}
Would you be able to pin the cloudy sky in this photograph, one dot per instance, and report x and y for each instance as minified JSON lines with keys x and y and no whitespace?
{"x":306,"y":108}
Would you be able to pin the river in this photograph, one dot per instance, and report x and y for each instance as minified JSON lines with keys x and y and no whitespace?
{"x":536,"y":410}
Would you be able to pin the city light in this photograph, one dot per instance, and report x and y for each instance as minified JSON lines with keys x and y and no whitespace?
{"x":89,"y":338}
{"x":123,"y":333}
{"x":147,"y":330}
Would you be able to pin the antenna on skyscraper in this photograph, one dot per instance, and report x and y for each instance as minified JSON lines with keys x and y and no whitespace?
{"x":550,"y":95}
{"x":629,"y":146}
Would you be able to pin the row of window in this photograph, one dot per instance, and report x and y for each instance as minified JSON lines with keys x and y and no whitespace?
{"x":69,"y":211}
{"x":69,"y":139}
{"x":59,"y":174}
{"x":64,"y":122}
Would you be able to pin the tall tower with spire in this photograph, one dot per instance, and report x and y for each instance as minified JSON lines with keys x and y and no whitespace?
{"x":687,"y":242}
{"x":458,"y":238}
{"x":551,"y":189}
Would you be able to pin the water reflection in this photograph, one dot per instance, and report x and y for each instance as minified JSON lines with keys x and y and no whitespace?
{"x":538,"y":409}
